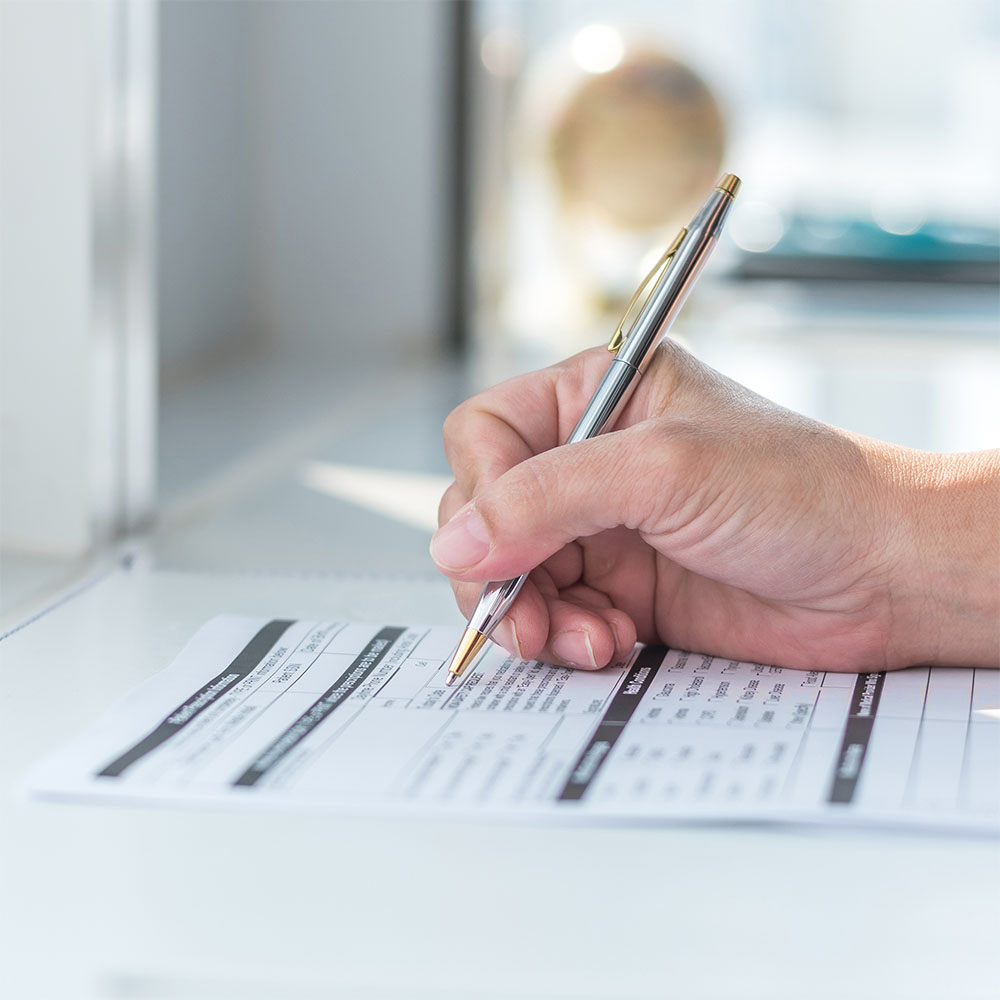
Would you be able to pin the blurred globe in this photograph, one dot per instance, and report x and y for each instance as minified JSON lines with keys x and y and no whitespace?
{"x":638,"y":144}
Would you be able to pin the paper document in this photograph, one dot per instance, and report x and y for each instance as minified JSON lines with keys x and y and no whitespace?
{"x":343,"y":715}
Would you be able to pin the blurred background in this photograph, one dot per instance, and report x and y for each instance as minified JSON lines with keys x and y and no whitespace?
{"x":252,"y":253}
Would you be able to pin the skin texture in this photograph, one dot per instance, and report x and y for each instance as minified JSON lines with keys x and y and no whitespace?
{"x":714,"y":520}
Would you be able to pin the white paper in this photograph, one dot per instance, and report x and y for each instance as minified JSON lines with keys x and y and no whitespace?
{"x":345,"y":715}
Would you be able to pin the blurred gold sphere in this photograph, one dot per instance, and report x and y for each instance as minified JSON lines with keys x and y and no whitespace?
{"x":639,"y":145}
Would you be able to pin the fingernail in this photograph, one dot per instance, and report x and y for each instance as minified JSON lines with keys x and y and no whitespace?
{"x":506,"y":635}
{"x":574,"y":648}
{"x":462,"y":542}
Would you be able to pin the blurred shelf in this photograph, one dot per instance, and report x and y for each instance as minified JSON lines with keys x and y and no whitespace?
{"x":235,"y":449}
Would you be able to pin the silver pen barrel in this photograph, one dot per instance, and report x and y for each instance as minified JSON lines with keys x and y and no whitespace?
{"x":670,"y":294}
{"x":686,"y":259}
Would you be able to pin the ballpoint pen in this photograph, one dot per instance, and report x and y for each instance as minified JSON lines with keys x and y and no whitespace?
{"x":677,"y":271}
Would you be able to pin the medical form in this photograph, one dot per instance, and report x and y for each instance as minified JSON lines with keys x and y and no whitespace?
{"x":284,"y":713}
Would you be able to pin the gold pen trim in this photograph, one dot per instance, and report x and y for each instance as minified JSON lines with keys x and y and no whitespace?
{"x":471,"y":642}
{"x":618,"y":337}
{"x":729,"y":184}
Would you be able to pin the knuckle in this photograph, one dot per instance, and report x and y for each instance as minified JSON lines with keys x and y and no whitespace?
{"x":674,"y":450}
{"x":520,"y":488}
{"x":537,"y":486}
{"x":676,"y":374}
{"x":523,"y":496}
{"x":455,"y":425}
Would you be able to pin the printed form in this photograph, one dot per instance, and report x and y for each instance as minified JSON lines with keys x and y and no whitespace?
{"x":341,"y":715}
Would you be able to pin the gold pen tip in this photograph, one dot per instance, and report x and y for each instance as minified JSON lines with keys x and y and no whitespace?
{"x":730,"y":184}
{"x":471,"y":642}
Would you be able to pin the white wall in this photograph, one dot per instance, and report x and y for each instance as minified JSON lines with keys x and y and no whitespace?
{"x":206,"y":200}
{"x":46,"y":430}
{"x":77,"y":341}
{"x":302,"y":200}
{"x":352,"y":146}
{"x":303,"y":175}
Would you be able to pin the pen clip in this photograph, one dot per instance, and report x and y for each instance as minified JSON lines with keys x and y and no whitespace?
{"x":618,"y":337}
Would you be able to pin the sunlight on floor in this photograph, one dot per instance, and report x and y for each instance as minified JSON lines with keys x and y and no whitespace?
{"x":409,"y":497}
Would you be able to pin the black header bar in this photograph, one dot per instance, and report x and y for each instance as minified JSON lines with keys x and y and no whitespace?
{"x":857,"y":735}
{"x":249,"y":659}
{"x":348,"y":682}
{"x":624,"y":703}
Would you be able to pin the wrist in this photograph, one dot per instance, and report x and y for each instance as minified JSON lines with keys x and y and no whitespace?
{"x":945,"y":592}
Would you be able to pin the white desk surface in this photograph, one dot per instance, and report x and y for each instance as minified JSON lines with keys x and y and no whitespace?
{"x":156,"y":904}
{"x":108,"y":902}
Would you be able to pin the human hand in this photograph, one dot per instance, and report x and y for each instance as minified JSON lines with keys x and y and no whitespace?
{"x":714,"y":520}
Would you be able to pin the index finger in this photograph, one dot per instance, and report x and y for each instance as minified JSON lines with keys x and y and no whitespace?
{"x":502,"y":426}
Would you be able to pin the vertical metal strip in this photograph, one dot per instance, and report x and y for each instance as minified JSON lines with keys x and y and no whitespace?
{"x":459,"y":275}
{"x":123,"y":332}
{"x":105,"y":251}
{"x":138,"y":330}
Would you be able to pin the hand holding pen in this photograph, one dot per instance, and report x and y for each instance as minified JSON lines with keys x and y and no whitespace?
{"x":713,"y":520}
{"x":678,"y":269}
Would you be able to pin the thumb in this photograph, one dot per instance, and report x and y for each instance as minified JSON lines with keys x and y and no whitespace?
{"x":530,"y":512}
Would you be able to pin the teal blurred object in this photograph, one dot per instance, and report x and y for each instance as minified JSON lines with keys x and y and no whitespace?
{"x":817,"y":247}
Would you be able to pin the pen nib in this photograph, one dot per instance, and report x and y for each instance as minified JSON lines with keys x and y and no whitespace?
{"x":472,"y":641}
